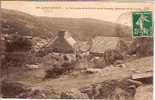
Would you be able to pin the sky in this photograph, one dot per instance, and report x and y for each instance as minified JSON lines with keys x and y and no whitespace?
{"x":108,"y":11}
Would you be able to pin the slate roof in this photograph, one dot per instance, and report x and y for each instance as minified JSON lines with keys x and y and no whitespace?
{"x":100,"y":44}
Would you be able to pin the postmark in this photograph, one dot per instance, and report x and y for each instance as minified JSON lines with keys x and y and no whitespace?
{"x":124,"y":26}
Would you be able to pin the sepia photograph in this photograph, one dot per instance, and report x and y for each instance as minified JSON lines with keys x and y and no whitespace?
{"x":76,"y":50}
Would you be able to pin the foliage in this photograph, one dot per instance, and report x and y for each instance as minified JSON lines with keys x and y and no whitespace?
{"x":17,"y":42}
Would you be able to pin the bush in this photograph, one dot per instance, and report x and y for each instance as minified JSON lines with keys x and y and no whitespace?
{"x":18,"y":43}
{"x":142,"y":47}
{"x":11,"y":89}
{"x":54,"y":72}
{"x":58,"y":70}
{"x":17,"y":50}
{"x":110,"y":56}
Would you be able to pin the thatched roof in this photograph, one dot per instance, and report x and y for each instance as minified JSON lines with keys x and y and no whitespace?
{"x":82,"y":46}
{"x":100,"y":44}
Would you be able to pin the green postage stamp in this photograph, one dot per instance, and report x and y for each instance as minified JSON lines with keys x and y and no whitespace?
{"x":142,"y":24}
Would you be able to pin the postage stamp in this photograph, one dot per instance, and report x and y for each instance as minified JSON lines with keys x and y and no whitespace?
{"x":142,"y":24}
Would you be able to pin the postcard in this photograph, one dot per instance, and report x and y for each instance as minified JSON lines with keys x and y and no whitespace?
{"x":76,"y":50}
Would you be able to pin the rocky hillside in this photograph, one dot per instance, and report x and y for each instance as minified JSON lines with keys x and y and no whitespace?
{"x":46,"y":27}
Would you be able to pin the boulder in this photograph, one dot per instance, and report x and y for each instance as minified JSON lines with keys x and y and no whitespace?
{"x":11,"y":89}
{"x":73,"y":94}
{"x":144,"y":93}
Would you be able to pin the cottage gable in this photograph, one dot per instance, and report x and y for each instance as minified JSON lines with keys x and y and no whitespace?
{"x":63,"y":43}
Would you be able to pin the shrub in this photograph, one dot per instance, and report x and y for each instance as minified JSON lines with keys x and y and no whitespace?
{"x":18,"y":43}
{"x":110,"y":56}
{"x":58,"y":70}
{"x":142,"y":47}
{"x":17,"y":50}
{"x":11,"y":89}
{"x":54,"y":72}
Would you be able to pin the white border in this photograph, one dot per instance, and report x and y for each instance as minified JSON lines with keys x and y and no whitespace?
{"x":98,"y":99}
{"x":154,"y":51}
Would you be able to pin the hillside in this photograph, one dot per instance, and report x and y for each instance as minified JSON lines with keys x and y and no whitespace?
{"x":46,"y":27}
{"x":18,"y":22}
